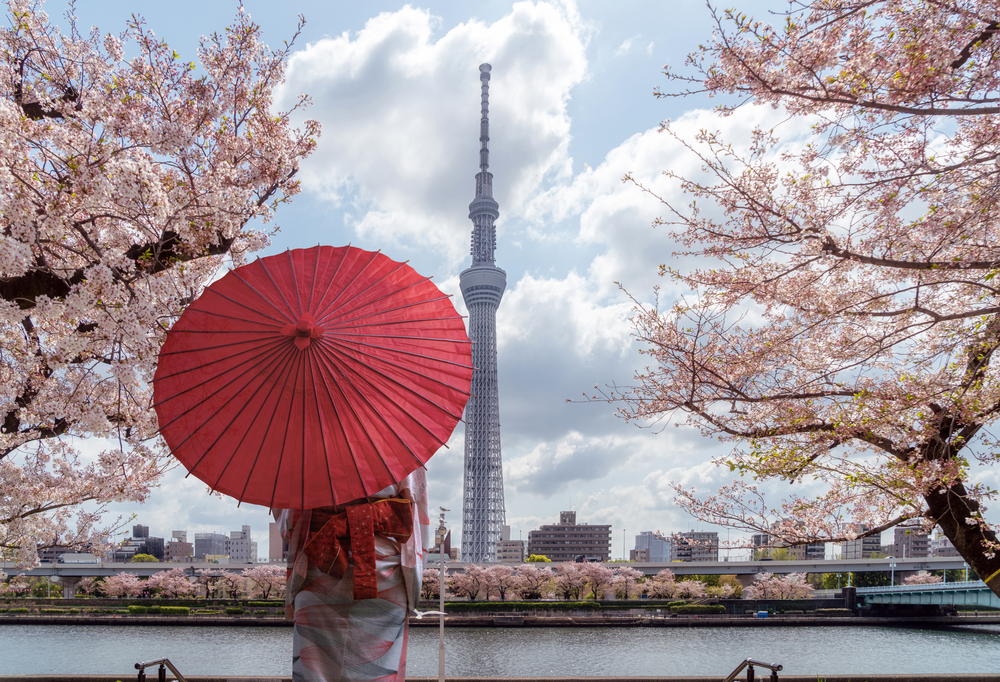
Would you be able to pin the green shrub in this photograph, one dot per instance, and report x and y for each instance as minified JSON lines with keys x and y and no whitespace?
{"x":233,"y":611}
{"x":175,"y":610}
{"x":135,"y":609}
{"x":266,"y":603}
{"x":59,"y":610}
{"x":698,"y":608}
{"x":834,"y":612}
{"x":19,"y":609}
{"x":209,"y":611}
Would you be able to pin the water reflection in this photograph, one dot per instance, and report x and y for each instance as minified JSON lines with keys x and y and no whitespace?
{"x":234,"y":651}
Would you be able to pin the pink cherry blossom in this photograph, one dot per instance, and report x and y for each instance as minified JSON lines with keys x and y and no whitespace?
{"x":921,"y":578}
{"x":265,"y":581}
{"x":128,"y":173}
{"x":836,"y":316}
{"x":170,"y":584}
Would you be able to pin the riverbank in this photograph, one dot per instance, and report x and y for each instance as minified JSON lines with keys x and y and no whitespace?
{"x":518,"y":621}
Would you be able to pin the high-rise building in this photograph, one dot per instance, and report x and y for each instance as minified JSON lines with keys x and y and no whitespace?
{"x":658,"y":548}
{"x":277,"y":549}
{"x":482,"y":286}
{"x":510,"y":551}
{"x":862,"y":548}
{"x":941,"y":546}
{"x":242,"y":549}
{"x":695,"y":546}
{"x":179,"y":550}
{"x":210,"y":544}
{"x":571,"y":541}
{"x":910,"y":542}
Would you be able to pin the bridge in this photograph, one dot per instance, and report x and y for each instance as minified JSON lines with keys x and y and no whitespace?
{"x":69,"y":575}
{"x":745,"y":571}
{"x":971,"y":592}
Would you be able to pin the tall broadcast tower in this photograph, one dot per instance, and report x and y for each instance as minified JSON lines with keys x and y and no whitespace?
{"x":482,"y":287}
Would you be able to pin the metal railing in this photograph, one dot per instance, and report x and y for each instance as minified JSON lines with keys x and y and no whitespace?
{"x":749,"y":663}
{"x":161,"y":674}
{"x":956,"y":585}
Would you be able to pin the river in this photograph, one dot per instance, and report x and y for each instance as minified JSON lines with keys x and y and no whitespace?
{"x":544,"y":652}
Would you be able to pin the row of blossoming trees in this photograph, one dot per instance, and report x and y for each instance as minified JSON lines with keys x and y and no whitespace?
{"x":573,"y":581}
{"x":263,"y":582}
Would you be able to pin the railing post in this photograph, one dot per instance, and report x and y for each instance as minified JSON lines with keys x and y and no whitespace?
{"x":774,"y":675}
{"x":161,"y":674}
{"x":750,"y":672}
{"x":141,"y":677}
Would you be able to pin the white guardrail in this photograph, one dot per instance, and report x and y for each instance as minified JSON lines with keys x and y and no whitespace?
{"x":961,"y":585}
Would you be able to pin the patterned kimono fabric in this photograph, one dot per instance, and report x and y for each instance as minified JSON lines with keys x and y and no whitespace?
{"x":337,"y":637}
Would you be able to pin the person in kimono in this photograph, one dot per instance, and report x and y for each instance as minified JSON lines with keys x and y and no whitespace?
{"x":354,"y":575}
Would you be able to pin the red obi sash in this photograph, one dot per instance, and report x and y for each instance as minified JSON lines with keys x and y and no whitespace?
{"x":356,"y":526}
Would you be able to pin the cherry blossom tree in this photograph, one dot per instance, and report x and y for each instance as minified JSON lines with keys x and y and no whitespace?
{"x":598,"y":578}
{"x":771,"y":586}
{"x":503,"y":582}
{"x":233,"y":584}
{"x":171,"y":584}
{"x":88,"y":585}
{"x":661,"y":585}
{"x":536,"y":581}
{"x":470,"y":583}
{"x":627,"y":582}
{"x":921,"y":578}
{"x":689,"y":589}
{"x":430,"y":584}
{"x":265,"y":580}
{"x":838,"y":320}
{"x":568,"y":580}
{"x":123,"y":585}
{"x":127,"y":175}
{"x":211,"y":580}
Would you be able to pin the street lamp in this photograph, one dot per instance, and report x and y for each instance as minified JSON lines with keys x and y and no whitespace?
{"x":892,"y":571}
{"x":442,"y":532}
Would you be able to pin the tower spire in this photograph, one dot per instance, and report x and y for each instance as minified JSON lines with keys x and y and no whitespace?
{"x":484,"y":121}
{"x":483,"y":284}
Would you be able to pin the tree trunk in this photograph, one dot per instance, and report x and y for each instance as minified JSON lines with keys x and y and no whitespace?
{"x":975,"y":542}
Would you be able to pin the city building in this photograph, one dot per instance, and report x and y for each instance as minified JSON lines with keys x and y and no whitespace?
{"x":179,"y":550}
{"x":862,"y":548}
{"x":210,"y":544}
{"x":910,"y":542}
{"x":641,"y":555}
{"x":482,"y":286}
{"x":658,"y":548}
{"x":242,"y":549}
{"x":570,"y":541}
{"x":277,"y":549}
{"x":50,"y":555}
{"x":140,"y":543}
{"x":510,"y":551}
{"x":695,"y":546}
{"x":941,"y":546}
{"x":814,"y":551}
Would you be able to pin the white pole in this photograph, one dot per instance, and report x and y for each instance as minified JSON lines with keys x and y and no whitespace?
{"x":442,"y":583}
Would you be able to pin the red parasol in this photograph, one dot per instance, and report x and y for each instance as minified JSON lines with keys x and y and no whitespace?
{"x":312,"y":378}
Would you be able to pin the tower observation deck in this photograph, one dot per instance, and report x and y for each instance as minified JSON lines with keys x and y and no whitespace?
{"x":483,"y":285}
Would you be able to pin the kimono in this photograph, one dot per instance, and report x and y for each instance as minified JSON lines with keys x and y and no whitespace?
{"x":351,"y":604}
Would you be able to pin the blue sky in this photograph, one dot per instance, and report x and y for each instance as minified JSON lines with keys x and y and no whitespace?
{"x":396,"y":88}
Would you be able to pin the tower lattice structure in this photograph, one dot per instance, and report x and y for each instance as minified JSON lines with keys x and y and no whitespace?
{"x":483,"y":285}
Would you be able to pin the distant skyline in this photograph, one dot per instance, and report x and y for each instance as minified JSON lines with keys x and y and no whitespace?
{"x":396,"y":88}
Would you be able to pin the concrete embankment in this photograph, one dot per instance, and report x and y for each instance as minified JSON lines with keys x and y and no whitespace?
{"x":714,"y":678}
{"x":515,"y":620}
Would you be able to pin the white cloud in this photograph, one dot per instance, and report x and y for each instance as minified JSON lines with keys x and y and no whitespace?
{"x":624,"y":47}
{"x":400,"y":110}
